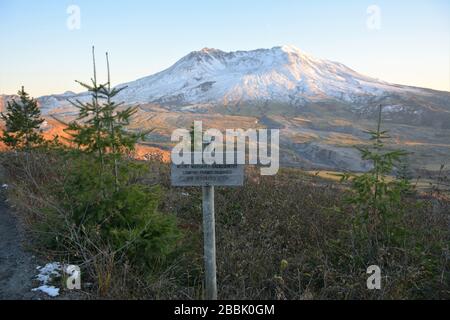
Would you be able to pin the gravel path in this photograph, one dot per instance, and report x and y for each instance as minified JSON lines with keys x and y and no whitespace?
{"x":17,"y":266}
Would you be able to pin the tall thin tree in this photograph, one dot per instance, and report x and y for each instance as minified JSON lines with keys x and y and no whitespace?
{"x":101,"y":128}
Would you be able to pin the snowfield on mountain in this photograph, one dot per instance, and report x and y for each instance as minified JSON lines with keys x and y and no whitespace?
{"x":321,"y":107}
{"x":282,"y":74}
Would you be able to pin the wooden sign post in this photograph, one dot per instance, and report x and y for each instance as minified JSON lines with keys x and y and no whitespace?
{"x":207,"y":176}
{"x":209,"y":244}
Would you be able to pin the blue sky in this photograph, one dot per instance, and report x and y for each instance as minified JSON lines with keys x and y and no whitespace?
{"x":411,"y":47}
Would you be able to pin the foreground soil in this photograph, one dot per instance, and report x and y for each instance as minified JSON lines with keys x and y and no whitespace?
{"x":17,"y":266}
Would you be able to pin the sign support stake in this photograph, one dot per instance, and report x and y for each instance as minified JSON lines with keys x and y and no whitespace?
{"x":209,"y":244}
{"x":208,"y":176}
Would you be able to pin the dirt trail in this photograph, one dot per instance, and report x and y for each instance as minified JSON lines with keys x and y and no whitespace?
{"x":17,"y":266}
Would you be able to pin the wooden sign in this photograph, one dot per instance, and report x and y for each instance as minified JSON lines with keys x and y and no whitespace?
{"x":208,"y":176}
{"x":198,"y":175}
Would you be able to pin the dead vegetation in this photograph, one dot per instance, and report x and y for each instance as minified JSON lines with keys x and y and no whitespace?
{"x":282,"y":237}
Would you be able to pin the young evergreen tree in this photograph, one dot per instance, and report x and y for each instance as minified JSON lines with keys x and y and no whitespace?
{"x":22,"y":122}
{"x":378,"y":197}
{"x":101,"y":189}
{"x":404,"y":171}
{"x":102,"y":130}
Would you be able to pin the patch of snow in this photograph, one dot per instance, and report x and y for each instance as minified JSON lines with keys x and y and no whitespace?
{"x":393,"y":108}
{"x":401,"y":108}
{"x":45,"y":275}
{"x":50,"y":290}
{"x":48,"y":271}
{"x":189,"y":108}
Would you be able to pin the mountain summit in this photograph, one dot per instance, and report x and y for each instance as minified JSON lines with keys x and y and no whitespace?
{"x":320,"y":106}
{"x":282,"y":74}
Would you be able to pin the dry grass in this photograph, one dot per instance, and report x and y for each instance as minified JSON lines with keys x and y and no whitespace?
{"x":301,"y":219}
{"x":282,"y":237}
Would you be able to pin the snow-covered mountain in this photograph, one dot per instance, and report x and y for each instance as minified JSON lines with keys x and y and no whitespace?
{"x":321,"y":107}
{"x":212,"y":78}
{"x":283,"y":74}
